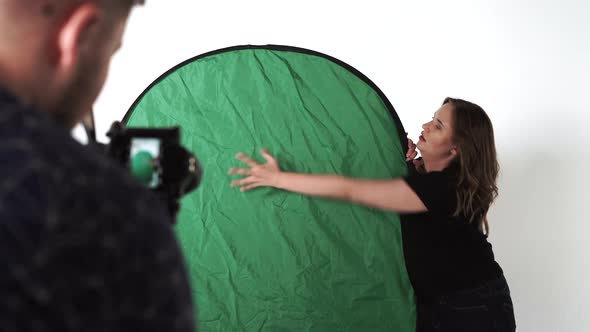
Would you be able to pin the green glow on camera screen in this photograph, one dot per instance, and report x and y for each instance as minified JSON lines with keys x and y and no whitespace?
{"x":143,"y":157}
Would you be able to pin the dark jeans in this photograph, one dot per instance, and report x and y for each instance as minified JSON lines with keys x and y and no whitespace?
{"x":484,"y":308}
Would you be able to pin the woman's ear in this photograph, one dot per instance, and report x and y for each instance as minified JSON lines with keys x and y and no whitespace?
{"x":454,"y":151}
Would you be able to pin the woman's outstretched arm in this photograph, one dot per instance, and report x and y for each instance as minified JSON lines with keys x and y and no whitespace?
{"x":391,"y":194}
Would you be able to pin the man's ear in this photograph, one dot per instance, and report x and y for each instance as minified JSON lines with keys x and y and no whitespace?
{"x":72,"y":36}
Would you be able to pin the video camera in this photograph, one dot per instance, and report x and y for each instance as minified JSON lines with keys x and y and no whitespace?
{"x":156,"y":159}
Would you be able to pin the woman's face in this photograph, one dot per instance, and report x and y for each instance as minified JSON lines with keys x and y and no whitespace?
{"x":436,"y":139}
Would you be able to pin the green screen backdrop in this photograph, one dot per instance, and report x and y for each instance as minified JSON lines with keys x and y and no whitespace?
{"x":270,"y":260}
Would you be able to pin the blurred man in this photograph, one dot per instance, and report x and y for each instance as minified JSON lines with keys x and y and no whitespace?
{"x":82,"y":246}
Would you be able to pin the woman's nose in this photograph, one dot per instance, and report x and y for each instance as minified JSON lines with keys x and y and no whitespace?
{"x":425,"y":126}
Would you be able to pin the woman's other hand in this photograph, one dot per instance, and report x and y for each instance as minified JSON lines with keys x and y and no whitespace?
{"x":258,"y":175}
{"x":412,"y":153}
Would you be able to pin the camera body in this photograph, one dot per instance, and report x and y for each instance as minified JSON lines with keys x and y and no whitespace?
{"x":156,"y":158}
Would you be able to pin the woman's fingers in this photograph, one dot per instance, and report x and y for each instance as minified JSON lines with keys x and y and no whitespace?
{"x":246,"y":183}
{"x":240,"y":171}
{"x":250,"y":186}
{"x":412,"y":153}
{"x":243,"y":181}
{"x":246,"y":159}
{"x":267,"y":155}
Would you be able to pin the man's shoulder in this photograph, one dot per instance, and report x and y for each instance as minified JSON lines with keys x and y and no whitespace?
{"x":40,"y":159}
{"x":32,"y":141}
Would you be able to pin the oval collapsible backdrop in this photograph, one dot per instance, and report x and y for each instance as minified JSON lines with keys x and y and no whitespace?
{"x":270,"y":260}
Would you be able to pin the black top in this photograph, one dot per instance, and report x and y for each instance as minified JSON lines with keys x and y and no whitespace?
{"x":82,"y":246}
{"x":443,"y":253}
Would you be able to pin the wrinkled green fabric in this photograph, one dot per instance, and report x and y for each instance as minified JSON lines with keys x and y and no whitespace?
{"x":270,"y":260}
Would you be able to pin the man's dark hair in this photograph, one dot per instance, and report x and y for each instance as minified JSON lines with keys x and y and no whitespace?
{"x":49,"y":7}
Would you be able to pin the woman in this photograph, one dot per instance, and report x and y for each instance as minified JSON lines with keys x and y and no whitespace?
{"x":443,"y":205}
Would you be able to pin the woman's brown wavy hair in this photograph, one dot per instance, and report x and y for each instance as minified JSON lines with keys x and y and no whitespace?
{"x":473,"y":135}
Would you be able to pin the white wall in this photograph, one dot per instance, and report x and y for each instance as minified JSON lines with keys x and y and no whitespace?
{"x":527,"y":63}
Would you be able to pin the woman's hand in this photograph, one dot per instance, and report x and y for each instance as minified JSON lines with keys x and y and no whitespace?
{"x":412,"y":153}
{"x":259,"y":175}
